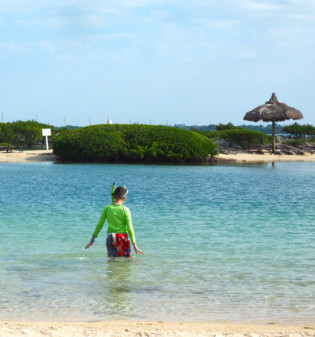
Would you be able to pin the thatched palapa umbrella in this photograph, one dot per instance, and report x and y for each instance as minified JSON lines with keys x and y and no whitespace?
{"x":273,"y":111}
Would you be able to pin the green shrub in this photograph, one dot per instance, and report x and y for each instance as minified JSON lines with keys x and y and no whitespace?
{"x":228,"y":126}
{"x":6,"y":133}
{"x":241,"y":137}
{"x":132,"y":143}
{"x":5,"y":144}
{"x":299,"y":141}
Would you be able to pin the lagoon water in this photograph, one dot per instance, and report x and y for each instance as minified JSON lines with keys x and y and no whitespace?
{"x":222,"y":243}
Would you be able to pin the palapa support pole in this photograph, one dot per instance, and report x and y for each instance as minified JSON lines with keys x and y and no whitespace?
{"x":273,"y":136}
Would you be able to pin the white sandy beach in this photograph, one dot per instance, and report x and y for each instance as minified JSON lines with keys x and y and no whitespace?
{"x":124,"y":328}
{"x":246,"y":157}
{"x":240,"y":157}
{"x":27,"y":156}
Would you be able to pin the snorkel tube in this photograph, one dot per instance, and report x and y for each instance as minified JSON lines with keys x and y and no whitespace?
{"x":113,"y":190}
{"x":118,"y":193}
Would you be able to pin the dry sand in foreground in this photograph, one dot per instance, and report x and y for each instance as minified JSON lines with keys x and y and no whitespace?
{"x":156,"y":329}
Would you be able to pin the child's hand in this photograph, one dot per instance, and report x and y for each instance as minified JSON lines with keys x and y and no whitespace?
{"x":90,"y":244}
{"x":137,"y":250}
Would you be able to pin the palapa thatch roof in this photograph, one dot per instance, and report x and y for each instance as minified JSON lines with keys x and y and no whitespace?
{"x":273,"y":111}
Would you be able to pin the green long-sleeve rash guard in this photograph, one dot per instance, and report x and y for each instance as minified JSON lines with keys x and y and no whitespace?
{"x":118,"y":219}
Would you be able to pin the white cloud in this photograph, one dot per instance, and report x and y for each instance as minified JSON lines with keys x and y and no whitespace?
{"x":162,"y":14}
{"x":247,"y":54}
{"x":27,"y":47}
{"x":304,"y":3}
{"x":259,"y":6}
{"x":293,"y":36}
{"x":223,"y":23}
{"x":201,"y":27}
{"x":40,"y":22}
{"x":140,"y":3}
{"x":19,"y":6}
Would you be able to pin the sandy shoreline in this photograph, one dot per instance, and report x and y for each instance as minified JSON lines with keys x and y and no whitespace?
{"x":244,"y":157}
{"x":27,"y":156}
{"x":124,"y":328}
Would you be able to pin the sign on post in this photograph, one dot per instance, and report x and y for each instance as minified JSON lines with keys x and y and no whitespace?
{"x":46,"y":133}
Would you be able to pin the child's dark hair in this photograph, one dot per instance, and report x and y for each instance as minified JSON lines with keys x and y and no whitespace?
{"x":120,"y":192}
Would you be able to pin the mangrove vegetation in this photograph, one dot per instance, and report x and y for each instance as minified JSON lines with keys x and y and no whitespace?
{"x":132,"y":143}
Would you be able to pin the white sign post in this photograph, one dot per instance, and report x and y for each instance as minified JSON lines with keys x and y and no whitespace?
{"x":46,"y":133}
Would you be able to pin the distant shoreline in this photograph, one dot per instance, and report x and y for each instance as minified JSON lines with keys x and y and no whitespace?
{"x":242,"y":157}
{"x":27,"y":156}
{"x":246,"y":157}
{"x":126,"y":328}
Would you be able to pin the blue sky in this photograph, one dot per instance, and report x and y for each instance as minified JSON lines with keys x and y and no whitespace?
{"x":154,"y":61}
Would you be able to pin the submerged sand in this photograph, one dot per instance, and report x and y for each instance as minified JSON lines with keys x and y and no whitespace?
{"x":124,"y":328}
{"x":241,"y":157}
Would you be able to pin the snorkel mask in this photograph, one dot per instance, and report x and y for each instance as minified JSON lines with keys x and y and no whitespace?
{"x":119,"y":192}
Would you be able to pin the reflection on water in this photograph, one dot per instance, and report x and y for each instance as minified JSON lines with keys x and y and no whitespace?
{"x":117,"y":287}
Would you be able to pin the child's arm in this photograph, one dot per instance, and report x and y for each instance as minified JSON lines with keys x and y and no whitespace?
{"x":98,"y":228}
{"x":129,"y":226}
{"x":90,"y":244}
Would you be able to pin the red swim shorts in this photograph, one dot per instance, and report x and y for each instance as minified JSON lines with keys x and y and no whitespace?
{"x":118,"y":245}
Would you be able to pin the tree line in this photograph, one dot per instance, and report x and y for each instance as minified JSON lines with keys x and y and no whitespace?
{"x":294,"y":129}
{"x":25,"y":133}
{"x":300,"y":131}
{"x":29,"y":133}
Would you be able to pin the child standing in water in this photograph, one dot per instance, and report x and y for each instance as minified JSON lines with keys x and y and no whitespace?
{"x":119,"y":226}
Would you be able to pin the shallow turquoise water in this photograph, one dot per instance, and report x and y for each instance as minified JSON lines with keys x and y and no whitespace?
{"x":221,"y":242}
